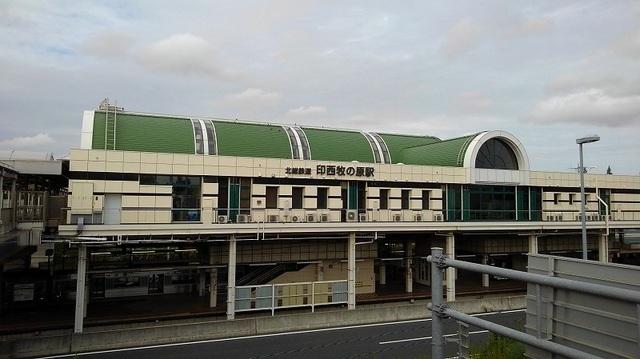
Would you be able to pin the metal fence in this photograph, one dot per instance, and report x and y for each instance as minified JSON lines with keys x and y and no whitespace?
{"x":290,"y":295}
{"x":440,"y":310}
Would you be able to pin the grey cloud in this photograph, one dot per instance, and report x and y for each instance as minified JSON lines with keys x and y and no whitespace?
{"x":185,"y":54}
{"x":460,"y":37}
{"x":108,"y":44}
{"x":592,"y":106}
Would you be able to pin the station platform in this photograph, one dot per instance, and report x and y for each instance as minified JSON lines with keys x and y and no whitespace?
{"x":183,"y":306}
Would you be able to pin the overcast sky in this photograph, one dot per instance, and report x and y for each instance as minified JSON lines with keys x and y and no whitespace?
{"x":548,"y":72}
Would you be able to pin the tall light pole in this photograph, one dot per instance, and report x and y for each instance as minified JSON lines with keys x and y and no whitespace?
{"x":580,"y":142}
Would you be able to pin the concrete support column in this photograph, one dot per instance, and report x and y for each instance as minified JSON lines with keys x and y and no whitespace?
{"x":351,"y":271}
{"x":1,"y":192}
{"x":213,"y":280}
{"x":408,"y":273}
{"x":320,"y":271}
{"x":533,"y":244}
{"x":231,"y":279}
{"x":213,"y":288}
{"x":485,"y":276}
{"x":81,"y":289}
{"x":382,"y":268}
{"x":202,"y":283}
{"x":603,"y":248}
{"x":450,"y":275}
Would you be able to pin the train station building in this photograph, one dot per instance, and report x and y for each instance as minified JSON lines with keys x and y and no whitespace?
{"x":247,"y":216}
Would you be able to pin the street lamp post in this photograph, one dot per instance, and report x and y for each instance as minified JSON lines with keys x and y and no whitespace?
{"x":580,"y":142}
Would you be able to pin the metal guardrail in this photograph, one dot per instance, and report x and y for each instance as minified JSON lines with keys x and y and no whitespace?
{"x":440,"y":310}
{"x":290,"y":295}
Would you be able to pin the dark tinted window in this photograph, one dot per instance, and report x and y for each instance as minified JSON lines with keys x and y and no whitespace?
{"x":384,"y":198}
{"x":296,"y":200}
{"x":405,"y":198}
{"x":322,"y":197}
{"x":272,"y":197}
{"x":425,"y":199}
{"x":496,"y":154}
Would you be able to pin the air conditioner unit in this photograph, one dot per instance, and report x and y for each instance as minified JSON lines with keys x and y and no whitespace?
{"x":324,"y":217}
{"x":397,"y":217}
{"x":273,"y":218}
{"x":437,"y":217}
{"x":295,"y":218}
{"x":352,"y":215}
{"x":243,"y":218}
{"x":417,"y":217}
{"x":362,"y":217}
{"x":222,"y":219}
{"x":311,"y":217}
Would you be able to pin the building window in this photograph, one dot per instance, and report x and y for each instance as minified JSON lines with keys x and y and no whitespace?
{"x":186,"y":199}
{"x":297,"y":197}
{"x":572,"y":198}
{"x":405,"y":198}
{"x":384,"y":198}
{"x":556,"y":198}
{"x":272,"y":197}
{"x":496,"y":154}
{"x":425,"y":199}
{"x":322,"y":197}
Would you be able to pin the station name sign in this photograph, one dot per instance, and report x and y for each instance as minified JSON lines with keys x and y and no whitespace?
{"x":332,"y":170}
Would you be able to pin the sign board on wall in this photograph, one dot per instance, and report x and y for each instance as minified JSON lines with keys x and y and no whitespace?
{"x":332,"y":170}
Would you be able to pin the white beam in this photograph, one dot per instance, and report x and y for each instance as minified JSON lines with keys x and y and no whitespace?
{"x":80,"y":289}
{"x":450,"y":275}
{"x":603,"y":248}
{"x":351,"y":272}
{"x":533,"y":244}
{"x":231,"y":279}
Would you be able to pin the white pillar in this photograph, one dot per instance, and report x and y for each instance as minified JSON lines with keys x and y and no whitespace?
{"x":320,"y":271}
{"x":603,"y":248}
{"x":533,"y":244}
{"x":213,"y":288}
{"x":382,"y":268}
{"x":80,"y":289}
{"x":408,"y":273}
{"x":231,"y":279}
{"x":450,"y":276}
{"x":485,"y":276}
{"x":351,"y":271}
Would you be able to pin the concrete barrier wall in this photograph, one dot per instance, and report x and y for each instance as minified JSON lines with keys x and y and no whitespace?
{"x":102,"y":338}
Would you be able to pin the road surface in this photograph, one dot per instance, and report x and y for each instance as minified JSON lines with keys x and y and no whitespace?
{"x":408,"y":339}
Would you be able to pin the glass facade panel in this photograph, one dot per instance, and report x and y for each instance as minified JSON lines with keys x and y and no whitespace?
{"x":492,"y":203}
{"x":496,"y":154}
{"x":186,"y":199}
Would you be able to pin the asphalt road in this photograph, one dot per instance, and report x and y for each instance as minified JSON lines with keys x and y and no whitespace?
{"x":411,"y":339}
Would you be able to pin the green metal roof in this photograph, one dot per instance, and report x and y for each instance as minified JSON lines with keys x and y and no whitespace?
{"x":159,"y":133}
{"x":251,"y":140}
{"x":444,"y":153}
{"x":145,"y":133}
{"x":334,"y":145}
{"x":398,"y":143}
